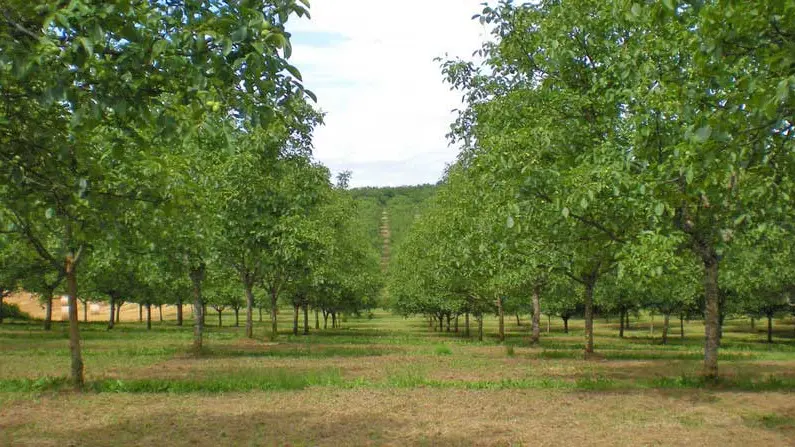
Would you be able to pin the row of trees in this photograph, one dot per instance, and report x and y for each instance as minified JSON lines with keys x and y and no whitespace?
{"x":161,"y":152}
{"x":623,"y":154}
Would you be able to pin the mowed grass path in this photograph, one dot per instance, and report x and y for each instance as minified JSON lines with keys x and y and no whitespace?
{"x":393,"y":381}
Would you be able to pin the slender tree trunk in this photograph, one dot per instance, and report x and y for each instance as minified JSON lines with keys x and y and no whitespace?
{"x":681,"y":326}
{"x":48,"y":312}
{"x":325,"y":320}
{"x":160,"y":310}
{"x":455,"y":324}
{"x":85,"y":311}
{"x":306,"y":318}
{"x":148,"y":316}
{"x":295,"y":318}
{"x":501,"y":312}
{"x":260,"y":314}
{"x":626,"y":315}
{"x":770,"y":328}
{"x":274,"y":310}
{"x":536,"y":328}
{"x":441,"y":322}
{"x":621,"y":325}
{"x":179,"y":312}
{"x":140,"y":312}
{"x":248,"y":285}
{"x":118,"y":311}
{"x":237,"y":317}
{"x":317,"y":319}
{"x":112,"y":306}
{"x":74,"y":329}
{"x":480,"y":327}
{"x":220,"y":318}
{"x":549,"y":324}
{"x":197,"y":276}
{"x":518,"y":321}
{"x":589,"y":317}
{"x":466,"y":324}
{"x":565,"y":325}
{"x":753,"y":329}
{"x":651,"y":326}
{"x":448,"y":321}
{"x":711,"y":317}
{"x":666,"y":320}
{"x":333,"y":320}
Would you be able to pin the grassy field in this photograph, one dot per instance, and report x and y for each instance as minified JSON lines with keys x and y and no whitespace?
{"x":392,"y":381}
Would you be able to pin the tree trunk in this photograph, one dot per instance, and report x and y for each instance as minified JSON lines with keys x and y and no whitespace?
{"x":118,"y":311}
{"x":651,"y":326}
{"x":536,"y":327}
{"x":518,"y":321}
{"x":666,"y":320}
{"x":681,"y":326}
{"x":148,"y":316}
{"x":248,"y":285}
{"x":770,"y":328}
{"x":565,"y":325}
{"x":306,"y":318}
{"x":48,"y":312}
{"x":455,"y":324}
{"x":441,"y":322}
{"x":295,"y":318}
{"x":333,"y":320}
{"x":711,"y":316}
{"x":501,"y":312}
{"x":317,"y":319}
{"x":140,"y":312}
{"x":549,"y":324}
{"x":197,"y":276}
{"x":274,"y":310}
{"x":448,"y":321}
{"x":753,"y":329}
{"x":112,"y":306}
{"x":260,"y":314}
{"x":480,"y":327}
{"x":325,"y":320}
{"x":621,"y":324}
{"x":220,"y":318}
{"x":85,"y":311}
{"x":466,"y":324}
{"x":237,"y":317}
{"x":589,"y":317}
{"x":179,"y":312}
{"x":74,"y":329}
{"x":626,"y":315}
{"x":160,"y":310}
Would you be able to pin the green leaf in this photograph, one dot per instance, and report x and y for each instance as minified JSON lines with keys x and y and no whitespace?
{"x":659,"y":209}
{"x":50,"y":213}
{"x":702,"y":134}
{"x":87,"y":45}
{"x":510,"y":222}
{"x":294,"y":71}
{"x":636,"y":10}
{"x":565,"y":212}
{"x":669,"y":4}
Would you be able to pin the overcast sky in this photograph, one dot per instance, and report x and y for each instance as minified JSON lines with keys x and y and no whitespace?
{"x":370,"y":62}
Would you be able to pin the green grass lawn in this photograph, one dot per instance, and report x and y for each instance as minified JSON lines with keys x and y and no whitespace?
{"x":404,"y":366}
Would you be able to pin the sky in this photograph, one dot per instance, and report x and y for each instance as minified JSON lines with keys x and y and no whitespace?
{"x":371,"y":64}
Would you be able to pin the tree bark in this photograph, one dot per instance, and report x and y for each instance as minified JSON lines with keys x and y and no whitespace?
{"x":47,"y":311}
{"x":621,"y":324}
{"x":85,"y":311}
{"x":666,"y":320}
{"x":112,"y":305}
{"x":160,"y":311}
{"x":501,"y":312}
{"x":466,"y":324}
{"x":518,"y":321}
{"x":148,"y":316}
{"x":260,"y":314}
{"x":589,"y":285}
{"x":333,"y":320}
{"x":295,"y":318}
{"x":681,"y":326}
{"x":197,"y":276}
{"x":118,"y":311}
{"x":325,"y":320}
{"x":179,"y":312}
{"x":140,"y":312}
{"x":770,"y":328}
{"x":274,"y":317}
{"x":306,"y":317}
{"x":237,"y":317}
{"x":74,"y":329}
{"x":712,"y":316}
{"x":565,"y":325}
{"x":220,"y":318}
{"x":248,"y":285}
{"x":536,"y":328}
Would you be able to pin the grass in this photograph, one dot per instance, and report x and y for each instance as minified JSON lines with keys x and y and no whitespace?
{"x":388,"y":380}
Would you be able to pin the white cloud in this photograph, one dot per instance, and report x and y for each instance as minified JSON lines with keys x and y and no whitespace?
{"x":371,"y":65}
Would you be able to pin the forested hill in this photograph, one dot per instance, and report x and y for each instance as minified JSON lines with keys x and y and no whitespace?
{"x":390,"y":211}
